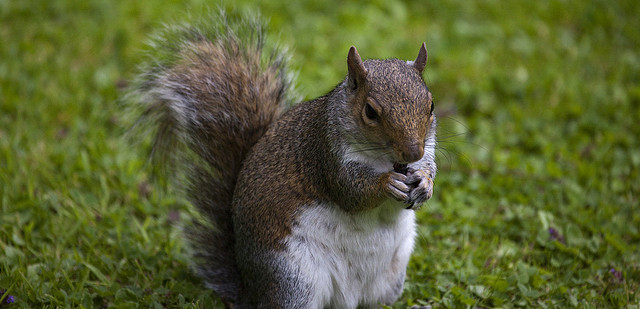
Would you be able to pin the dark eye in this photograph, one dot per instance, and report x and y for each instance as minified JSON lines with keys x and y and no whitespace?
{"x":431,"y":109}
{"x":370,"y":112}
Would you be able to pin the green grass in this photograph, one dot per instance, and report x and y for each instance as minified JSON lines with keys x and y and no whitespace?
{"x":537,"y":198}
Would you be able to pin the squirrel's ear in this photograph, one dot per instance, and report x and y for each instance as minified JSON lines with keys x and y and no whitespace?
{"x":357,"y":71}
{"x":421,"y":60}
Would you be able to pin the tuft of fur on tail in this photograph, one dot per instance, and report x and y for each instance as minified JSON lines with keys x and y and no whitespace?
{"x":211,"y":89}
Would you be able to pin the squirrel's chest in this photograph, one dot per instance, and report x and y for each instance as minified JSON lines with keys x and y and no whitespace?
{"x":353,"y":258}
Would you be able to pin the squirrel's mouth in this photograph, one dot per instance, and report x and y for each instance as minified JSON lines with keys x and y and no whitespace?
{"x":400,"y":168}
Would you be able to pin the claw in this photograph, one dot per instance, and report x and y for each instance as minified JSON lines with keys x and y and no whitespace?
{"x":422,"y":188}
{"x":416,"y":176}
{"x":397,"y":186}
{"x":397,"y":194}
{"x":400,"y":183}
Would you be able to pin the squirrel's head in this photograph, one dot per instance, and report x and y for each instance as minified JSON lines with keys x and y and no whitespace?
{"x":391,"y":106}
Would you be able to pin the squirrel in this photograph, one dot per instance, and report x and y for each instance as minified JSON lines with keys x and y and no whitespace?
{"x":308,"y":205}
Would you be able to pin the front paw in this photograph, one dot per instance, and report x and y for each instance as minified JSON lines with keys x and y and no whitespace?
{"x":421,"y":188}
{"x":395,"y":185}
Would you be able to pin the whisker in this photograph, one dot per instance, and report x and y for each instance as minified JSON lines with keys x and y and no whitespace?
{"x":361,"y":150}
{"x":441,"y":137}
{"x":385,"y":153}
{"x":445,"y":154}
{"x":455,"y":120}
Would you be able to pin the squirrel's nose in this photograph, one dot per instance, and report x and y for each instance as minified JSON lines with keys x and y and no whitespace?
{"x":412,"y":153}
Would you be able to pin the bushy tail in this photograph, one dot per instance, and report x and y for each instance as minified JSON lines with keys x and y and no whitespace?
{"x":211,"y":90}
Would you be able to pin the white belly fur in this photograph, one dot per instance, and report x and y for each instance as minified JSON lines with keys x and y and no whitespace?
{"x":352,"y":259}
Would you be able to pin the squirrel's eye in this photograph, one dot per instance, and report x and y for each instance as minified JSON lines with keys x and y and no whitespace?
{"x":370,"y":112}
{"x":431,"y":109}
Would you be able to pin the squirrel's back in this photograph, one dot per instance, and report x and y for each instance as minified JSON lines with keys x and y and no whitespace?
{"x":212,"y":89}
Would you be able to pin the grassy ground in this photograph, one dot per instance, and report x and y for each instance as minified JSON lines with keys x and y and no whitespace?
{"x":537,"y":199}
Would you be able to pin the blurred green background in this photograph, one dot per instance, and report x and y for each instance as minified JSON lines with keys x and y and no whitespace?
{"x":536,"y":203}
